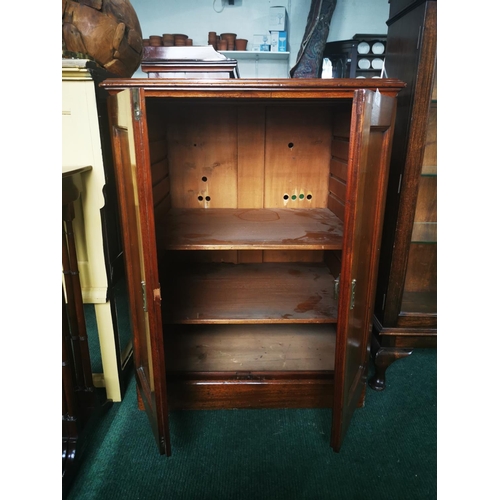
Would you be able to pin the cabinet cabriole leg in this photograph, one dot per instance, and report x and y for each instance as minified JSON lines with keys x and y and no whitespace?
{"x":382,"y":358}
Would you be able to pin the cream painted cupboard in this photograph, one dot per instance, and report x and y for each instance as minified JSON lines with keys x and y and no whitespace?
{"x":85,"y":143}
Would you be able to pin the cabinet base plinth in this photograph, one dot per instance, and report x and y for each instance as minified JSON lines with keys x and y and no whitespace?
{"x":250,"y":392}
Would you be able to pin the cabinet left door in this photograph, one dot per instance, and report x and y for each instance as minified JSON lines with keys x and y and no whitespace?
{"x":127,"y":114}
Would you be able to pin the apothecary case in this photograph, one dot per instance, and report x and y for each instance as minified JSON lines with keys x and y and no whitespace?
{"x":251,"y":214}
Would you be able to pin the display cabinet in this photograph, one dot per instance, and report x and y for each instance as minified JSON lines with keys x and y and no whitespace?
{"x":251,"y":216}
{"x":361,"y":57}
{"x":406,"y":301}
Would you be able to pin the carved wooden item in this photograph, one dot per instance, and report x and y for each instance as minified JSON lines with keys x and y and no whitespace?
{"x":108,"y":31}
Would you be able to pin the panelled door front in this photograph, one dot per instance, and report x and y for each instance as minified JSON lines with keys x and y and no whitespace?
{"x":369,"y":153}
{"x":131,"y":160}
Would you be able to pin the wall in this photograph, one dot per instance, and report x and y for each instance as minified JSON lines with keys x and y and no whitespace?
{"x":197,"y":17}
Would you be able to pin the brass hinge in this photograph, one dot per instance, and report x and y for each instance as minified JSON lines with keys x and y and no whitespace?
{"x":336,"y":287}
{"x":144,"y":301}
{"x":353,"y":291}
{"x":136,"y":104}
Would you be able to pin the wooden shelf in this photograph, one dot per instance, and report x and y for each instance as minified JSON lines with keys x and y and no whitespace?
{"x":249,"y":293}
{"x":250,"y":348}
{"x":250,"y":229}
{"x":254,"y":54}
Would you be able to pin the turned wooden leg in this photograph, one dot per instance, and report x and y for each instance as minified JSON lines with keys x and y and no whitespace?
{"x":70,"y":423}
{"x":382,"y":358}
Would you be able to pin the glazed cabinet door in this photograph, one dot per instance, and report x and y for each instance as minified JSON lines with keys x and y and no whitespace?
{"x":131,"y":159}
{"x":372,"y":120}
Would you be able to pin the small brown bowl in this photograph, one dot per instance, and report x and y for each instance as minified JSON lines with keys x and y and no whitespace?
{"x":241,"y":44}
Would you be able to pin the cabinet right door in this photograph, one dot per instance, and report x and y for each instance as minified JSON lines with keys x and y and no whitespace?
{"x":372,"y":120}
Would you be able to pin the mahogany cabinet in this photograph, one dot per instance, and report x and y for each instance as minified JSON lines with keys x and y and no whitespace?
{"x":406,"y":300}
{"x":251,"y":215}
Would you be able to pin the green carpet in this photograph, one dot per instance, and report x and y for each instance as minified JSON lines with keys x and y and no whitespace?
{"x":389,"y":452}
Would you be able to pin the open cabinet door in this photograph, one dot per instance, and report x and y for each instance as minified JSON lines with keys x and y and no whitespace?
{"x":371,"y":121}
{"x":131,"y":161}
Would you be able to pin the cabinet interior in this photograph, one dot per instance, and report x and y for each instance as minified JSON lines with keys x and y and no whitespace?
{"x":249,"y":204}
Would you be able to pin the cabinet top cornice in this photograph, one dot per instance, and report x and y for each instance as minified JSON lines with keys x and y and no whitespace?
{"x":254,"y":88}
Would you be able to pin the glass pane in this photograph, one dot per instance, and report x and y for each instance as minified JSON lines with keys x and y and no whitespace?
{"x":426,"y":209}
{"x":128,"y":167}
{"x":424,"y":232}
{"x":429,"y":164}
{"x":93,"y":338}
{"x":421,"y":279}
{"x":123,"y":320}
